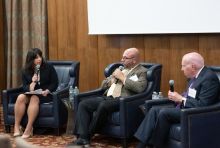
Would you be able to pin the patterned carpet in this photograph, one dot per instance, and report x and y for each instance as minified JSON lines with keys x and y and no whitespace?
{"x":47,"y":139}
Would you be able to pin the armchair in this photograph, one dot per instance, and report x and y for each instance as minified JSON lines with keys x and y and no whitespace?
{"x":198,"y":127}
{"x":123,"y":123}
{"x":52,"y":114}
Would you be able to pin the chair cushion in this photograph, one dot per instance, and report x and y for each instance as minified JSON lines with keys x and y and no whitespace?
{"x":61,"y":86}
{"x":46,"y":109}
{"x":175,"y":132}
{"x":62,"y":74}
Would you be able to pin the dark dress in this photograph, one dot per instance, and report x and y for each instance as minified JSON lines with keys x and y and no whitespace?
{"x":48,"y":80}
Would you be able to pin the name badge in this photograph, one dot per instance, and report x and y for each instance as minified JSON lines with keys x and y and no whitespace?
{"x":134,"y":78}
{"x":192,"y":93}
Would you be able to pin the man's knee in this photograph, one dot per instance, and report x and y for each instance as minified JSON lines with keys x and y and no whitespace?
{"x":154,"y":110}
{"x":103,"y":106}
{"x":82,"y":104}
{"x":164,"y":113}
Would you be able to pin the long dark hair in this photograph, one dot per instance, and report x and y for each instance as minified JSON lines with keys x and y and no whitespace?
{"x":31,"y":55}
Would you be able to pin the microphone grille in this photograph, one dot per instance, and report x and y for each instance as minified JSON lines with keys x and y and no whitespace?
{"x":121,"y":67}
{"x":37,"y":66}
{"x":171,"y":82}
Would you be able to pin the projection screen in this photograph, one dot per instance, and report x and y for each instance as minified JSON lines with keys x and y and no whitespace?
{"x":153,"y":16}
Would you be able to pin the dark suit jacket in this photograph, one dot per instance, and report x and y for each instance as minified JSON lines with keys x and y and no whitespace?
{"x":207,"y":88}
{"x":48,"y":78}
{"x":158,"y":120}
{"x":131,"y":87}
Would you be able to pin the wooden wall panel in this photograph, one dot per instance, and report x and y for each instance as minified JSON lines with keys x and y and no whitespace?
{"x":108,"y":51}
{"x":180,"y":45}
{"x":52,"y":30}
{"x":69,"y":40}
{"x":209,"y":47}
{"x":157,"y":51}
{"x":128,"y":41}
{"x":87,"y":53}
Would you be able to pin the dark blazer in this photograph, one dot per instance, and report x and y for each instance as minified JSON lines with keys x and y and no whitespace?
{"x":48,"y":78}
{"x":207,"y":88}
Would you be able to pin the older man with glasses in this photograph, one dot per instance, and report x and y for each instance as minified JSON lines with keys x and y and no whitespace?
{"x":126,"y":81}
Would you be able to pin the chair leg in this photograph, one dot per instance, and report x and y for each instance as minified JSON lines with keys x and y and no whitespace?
{"x":124,"y":143}
{"x":7,"y":128}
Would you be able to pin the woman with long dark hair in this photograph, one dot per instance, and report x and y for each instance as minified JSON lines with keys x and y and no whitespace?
{"x":37,"y":74}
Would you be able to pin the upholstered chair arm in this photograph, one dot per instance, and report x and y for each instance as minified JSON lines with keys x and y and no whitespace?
{"x":129,"y":111}
{"x":158,"y":102}
{"x":197,"y":124}
{"x":86,"y":95}
{"x":98,"y":91}
{"x":63,"y":93}
{"x":10,"y":93}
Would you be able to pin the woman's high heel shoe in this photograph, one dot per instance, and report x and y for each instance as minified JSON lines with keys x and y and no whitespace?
{"x":19,"y":133}
{"x":28,"y":136}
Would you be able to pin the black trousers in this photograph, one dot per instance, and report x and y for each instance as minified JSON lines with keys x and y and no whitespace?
{"x":92,"y":114}
{"x":155,"y":127}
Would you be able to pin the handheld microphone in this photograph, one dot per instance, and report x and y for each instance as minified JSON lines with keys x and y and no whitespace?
{"x":120,"y":68}
{"x":37,"y":70}
{"x":171,"y":83}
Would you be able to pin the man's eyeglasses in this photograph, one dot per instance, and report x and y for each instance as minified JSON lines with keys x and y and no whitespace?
{"x":126,"y":58}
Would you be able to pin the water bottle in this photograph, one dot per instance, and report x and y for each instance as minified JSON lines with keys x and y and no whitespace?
{"x":75,"y":91}
{"x":71,"y":94}
{"x":154,"y":95}
{"x":160,"y":95}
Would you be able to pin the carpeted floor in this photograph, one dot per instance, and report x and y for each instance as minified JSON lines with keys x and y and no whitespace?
{"x":47,"y":139}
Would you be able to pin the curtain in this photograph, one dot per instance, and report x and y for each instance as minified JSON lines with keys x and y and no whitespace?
{"x":25,"y":28}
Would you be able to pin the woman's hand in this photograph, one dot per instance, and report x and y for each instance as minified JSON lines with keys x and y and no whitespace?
{"x":34,"y":81}
{"x":45,"y":92}
{"x":34,"y":78}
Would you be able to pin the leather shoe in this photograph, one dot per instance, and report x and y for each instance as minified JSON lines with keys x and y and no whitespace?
{"x":80,"y":142}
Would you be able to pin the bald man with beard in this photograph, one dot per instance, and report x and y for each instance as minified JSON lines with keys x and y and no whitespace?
{"x":202,"y":90}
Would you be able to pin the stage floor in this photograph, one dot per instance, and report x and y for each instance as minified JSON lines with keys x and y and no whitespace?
{"x":47,"y":139}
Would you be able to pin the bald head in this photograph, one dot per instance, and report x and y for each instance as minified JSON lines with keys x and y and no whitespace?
{"x":131,"y":57}
{"x":133,"y":52}
{"x":191,"y":64}
{"x":194,"y":58}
